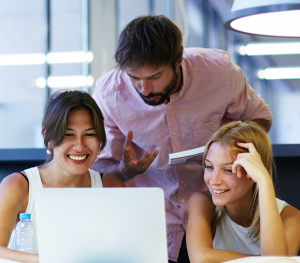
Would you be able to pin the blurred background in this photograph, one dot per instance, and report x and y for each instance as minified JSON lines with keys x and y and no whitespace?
{"x":48,"y":45}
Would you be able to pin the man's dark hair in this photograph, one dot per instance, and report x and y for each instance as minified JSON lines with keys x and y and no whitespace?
{"x":149,"y":41}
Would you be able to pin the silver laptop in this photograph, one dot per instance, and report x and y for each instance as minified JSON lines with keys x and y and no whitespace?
{"x":109,"y":225}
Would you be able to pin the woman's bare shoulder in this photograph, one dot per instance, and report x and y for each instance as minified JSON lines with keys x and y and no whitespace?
{"x":201,"y":196}
{"x":290,"y":212}
{"x":14,"y":193}
{"x":14,"y":184}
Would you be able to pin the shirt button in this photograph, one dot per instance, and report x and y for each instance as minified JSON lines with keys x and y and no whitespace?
{"x":182,"y":182}
{"x":185,"y":221}
{"x":168,"y":107}
{"x":182,"y":200}
{"x":174,"y":133}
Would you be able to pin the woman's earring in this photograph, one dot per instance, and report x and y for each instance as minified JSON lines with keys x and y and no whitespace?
{"x":99,"y":152}
{"x":49,"y":151}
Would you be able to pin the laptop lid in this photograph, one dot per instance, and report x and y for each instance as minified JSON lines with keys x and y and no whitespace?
{"x":111,"y":225}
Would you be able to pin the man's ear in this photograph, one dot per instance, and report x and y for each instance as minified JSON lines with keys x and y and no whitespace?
{"x":178,"y":62}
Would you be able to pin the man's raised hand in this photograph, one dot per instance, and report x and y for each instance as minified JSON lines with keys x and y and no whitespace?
{"x":131,"y":166}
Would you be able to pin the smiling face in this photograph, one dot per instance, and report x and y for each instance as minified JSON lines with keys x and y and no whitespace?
{"x":155,"y":85}
{"x":226,"y":188}
{"x":80,"y":146}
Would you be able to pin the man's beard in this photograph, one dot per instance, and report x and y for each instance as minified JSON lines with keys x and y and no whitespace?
{"x":163,"y":95}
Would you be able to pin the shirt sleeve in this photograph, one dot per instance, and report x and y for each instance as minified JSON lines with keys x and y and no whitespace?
{"x":115,"y":139}
{"x":246,"y":104}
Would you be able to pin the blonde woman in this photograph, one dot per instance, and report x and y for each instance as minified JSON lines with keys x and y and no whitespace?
{"x":240,"y":216}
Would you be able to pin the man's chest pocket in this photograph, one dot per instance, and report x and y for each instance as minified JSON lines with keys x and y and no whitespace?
{"x":203,"y":131}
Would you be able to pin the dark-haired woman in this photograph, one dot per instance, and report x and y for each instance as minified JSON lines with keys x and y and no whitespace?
{"x":74,"y":134}
{"x":241,"y":215}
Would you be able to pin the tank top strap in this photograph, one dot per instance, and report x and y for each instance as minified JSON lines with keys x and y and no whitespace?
{"x":96,"y":181}
{"x":281,"y":204}
{"x":35,"y":182}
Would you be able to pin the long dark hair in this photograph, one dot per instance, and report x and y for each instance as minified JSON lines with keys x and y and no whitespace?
{"x":57,"y":110}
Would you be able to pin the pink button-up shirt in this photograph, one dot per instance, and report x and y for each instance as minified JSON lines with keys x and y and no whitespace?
{"x":214,"y":91}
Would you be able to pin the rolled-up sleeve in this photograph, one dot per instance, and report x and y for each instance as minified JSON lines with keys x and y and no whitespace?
{"x":246,"y":104}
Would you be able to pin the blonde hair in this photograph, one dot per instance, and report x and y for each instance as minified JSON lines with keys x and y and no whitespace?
{"x":245,"y":132}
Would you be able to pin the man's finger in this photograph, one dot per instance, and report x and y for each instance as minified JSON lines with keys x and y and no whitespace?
{"x":129,"y":138}
{"x":127,"y":148}
{"x":153,"y":156}
{"x":148,"y":158}
{"x":135,"y":161}
{"x":126,"y":155}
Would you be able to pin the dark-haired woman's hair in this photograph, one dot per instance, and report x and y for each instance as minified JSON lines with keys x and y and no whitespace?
{"x":245,"y":132}
{"x":56,"y":113}
{"x":149,"y":41}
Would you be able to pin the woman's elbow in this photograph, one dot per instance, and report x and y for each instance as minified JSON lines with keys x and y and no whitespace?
{"x":280,"y":252}
{"x":202,"y":256}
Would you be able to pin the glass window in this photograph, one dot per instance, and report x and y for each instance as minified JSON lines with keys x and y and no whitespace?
{"x":29,"y":66}
{"x":22,"y":31}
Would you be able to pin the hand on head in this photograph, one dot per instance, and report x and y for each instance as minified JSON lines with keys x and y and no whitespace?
{"x":250,"y":164}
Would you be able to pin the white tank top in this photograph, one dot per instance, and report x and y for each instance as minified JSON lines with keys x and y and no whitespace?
{"x":233,"y":237}
{"x":35,"y":182}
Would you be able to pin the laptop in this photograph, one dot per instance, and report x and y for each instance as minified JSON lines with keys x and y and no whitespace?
{"x":103,"y":225}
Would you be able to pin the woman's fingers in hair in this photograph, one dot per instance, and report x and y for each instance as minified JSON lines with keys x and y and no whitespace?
{"x":248,"y":146}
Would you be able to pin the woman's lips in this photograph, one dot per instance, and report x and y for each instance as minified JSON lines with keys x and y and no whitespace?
{"x":78,"y":159}
{"x":219,"y":191}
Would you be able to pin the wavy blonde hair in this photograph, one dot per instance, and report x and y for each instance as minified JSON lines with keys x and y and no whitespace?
{"x":245,"y":132}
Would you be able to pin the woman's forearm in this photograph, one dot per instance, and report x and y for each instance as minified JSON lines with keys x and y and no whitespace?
{"x":215,"y":256}
{"x":22,"y":257}
{"x":272,"y":235}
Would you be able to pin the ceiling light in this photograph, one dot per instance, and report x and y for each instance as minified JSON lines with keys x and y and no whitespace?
{"x":69,"y":57}
{"x":40,"y":82}
{"x":51,"y":58}
{"x":65,"y":82}
{"x":22,"y":59}
{"x":264,"y":49}
{"x":279,"y":18}
{"x":279,"y":73}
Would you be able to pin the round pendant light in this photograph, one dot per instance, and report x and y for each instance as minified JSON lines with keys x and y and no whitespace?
{"x":278,"y":18}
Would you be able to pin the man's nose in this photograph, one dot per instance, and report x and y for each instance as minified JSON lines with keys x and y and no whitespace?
{"x":146,"y":87}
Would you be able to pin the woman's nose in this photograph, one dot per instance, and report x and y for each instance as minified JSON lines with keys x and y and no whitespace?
{"x":216,"y":177}
{"x":78,"y":144}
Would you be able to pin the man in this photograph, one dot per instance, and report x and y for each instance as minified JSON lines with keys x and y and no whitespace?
{"x":163,"y":99}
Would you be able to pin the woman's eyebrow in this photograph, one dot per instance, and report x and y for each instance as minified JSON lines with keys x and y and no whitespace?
{"x":228,"y":163}
{"x":222,"y":163}
{"x":69,"y":129}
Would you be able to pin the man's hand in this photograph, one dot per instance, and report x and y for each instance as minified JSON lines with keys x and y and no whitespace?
{"x":130,"y":165}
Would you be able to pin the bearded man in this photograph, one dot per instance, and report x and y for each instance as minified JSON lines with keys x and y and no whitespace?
{"x":162,"y":99}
